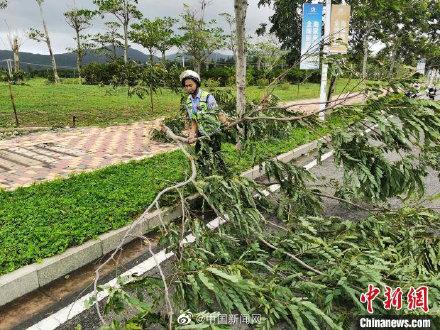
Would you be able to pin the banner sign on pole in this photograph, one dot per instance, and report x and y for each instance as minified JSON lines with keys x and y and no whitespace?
{"x":311,"y":36}
{"x":339,"y":28}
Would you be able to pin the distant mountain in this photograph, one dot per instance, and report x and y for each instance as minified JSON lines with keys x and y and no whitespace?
{"x":68,"y":60}
{"x":213,"y":57}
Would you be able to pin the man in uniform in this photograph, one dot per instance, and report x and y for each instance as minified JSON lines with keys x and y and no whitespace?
{"x":204,"y":119}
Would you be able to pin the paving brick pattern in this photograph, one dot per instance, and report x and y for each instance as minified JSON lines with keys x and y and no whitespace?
{"x":44,"y":156}
{"x":311,"y":105}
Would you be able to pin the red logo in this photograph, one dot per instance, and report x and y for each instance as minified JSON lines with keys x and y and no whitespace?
{"x":369,"y":296}
{"x":393,"y":298}
{"x":416,"y":298}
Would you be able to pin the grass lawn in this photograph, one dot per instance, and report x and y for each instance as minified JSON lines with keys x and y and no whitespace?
{"x":49,"y":105}
{"x":47,"y":218}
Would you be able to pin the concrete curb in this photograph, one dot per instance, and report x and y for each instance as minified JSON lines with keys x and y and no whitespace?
{"x":29,"y":278}
{"x":258,"y":170}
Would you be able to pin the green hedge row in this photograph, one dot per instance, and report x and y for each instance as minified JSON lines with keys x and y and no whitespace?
{"x":104,"y":73}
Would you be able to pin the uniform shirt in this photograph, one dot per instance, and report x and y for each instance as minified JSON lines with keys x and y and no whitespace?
{"x":209,"y":122}
{"x":211,"y":102}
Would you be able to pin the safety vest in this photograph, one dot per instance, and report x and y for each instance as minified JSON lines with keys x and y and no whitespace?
{"x":206,"y":119}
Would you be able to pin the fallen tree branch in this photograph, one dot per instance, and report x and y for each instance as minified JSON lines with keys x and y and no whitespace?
{"x":167,"y":294}
{"x":273,"y":224}
{"x":134,"y":223}
{"x":351,"y":203}
{"x":299,"y":261}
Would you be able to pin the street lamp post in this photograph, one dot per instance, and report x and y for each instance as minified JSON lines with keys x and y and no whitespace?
{"x":324,"y":69}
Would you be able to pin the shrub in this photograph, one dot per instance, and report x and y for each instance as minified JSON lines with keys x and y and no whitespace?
{"x":17,"y":77}
{"x":212,"y":83}
{"x":221,"y":73}
{"x":71,"y":81}
{"x":284,"y":86}
{"x":296,"y":76}
{"x":262,"y":82}
{"x":99,"y":73}
{"x":231,"y":81}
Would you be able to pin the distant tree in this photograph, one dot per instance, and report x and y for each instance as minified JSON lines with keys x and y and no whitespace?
{"x":200,"y":38}
{"x":15,"y":42}
{"x":154,"y":35}
{"x":366,"y":25}
{"x":79,"y":20}
{"x":405,"y":27}
{"x":286,"y":24}
{"x":147,"y":34}
{"x":124,"y":11}
{"x":168,"y":38}
{"x":265,"y":54}
{"x":3,"y":4}
{"x":432,"y":50}
{"x":40,"y":36}
{"x":109,"y":41}
{"x":230,"y":20}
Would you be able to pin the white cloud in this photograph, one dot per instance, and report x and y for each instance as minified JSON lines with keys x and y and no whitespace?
{"x":23,"y":14}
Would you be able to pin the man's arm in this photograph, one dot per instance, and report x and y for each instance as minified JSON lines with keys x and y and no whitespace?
{"x":192,"y":136}
{"x":223,"y":118}
{"x":191,"y":128}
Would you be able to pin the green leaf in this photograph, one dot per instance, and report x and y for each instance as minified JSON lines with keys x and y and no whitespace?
{"x":205,"y":280}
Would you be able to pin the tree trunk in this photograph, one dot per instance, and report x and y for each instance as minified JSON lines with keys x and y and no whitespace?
{"x":78,"y":55}
{"x":49,"y":46}
{"x":163,"y":57}
{"x":115,"y":56}
{"x":126,"y":42}
{"x":151,"y":57}
{"x":16,"y":51}
{"x":259,"y":63}
{"x":198,"y":67}
{"x":17,"y":123}
{"x":392,"y":62}
{"x":365,"y":60}
{"x":151,"y":98}
{"x":240,"y":76}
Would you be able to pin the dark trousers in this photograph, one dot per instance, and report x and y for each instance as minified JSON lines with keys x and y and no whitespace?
{"x":206,"y":166}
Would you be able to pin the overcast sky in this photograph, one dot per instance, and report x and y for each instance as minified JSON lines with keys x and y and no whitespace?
{"x":22,"y":14}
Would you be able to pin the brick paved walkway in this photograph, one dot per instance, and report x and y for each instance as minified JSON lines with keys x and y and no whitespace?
{"x":310,"y":105}
{"x":45,"y":156}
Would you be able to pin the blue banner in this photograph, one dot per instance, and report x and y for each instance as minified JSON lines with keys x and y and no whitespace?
{"x":311,"y":36}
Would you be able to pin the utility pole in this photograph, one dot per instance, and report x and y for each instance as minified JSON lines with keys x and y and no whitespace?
{"x":9,"y":64}
{"x":324,"y":70}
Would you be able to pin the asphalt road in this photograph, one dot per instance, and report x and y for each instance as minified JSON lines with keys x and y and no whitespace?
{"x":328,"y":171}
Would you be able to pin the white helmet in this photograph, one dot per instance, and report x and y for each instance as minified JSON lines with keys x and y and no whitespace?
{"x":189,"y":74}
